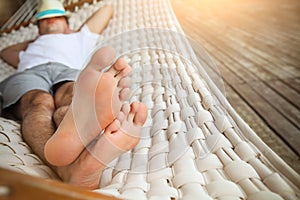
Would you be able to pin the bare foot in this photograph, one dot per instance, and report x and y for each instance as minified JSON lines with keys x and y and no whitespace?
{"x":97,"y":100}
{"x":120,"y":136}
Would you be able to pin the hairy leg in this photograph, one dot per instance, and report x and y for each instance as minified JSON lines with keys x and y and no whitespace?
{"x":62,"y":99}
{"x":96,"y":103}
{"x":35,"y":109}
{"x":120,"y":136}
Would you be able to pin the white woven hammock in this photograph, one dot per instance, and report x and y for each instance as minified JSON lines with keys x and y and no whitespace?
{"x":193,"y":145}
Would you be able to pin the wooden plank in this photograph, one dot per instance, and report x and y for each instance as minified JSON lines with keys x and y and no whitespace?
{"x":265,"y":33}
{"x":287,"y":131}
{"x":280,"y":15}
{"x":285,"y":108}
{"x":278,"y":43}
{"x":292,"y":95}
{"x":295,"y":82}
{"x":21,"y":186}
{"x":288,"y":110}
{"x":239,"y":71}
{"x":275,"y":20}
{"x":274,"y":99}
{"x":267,"y":50}
{"x":248,"y":57}
{"x":257,"y":70}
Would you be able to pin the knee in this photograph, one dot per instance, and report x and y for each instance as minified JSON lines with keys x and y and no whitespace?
{"x":35,"y":99}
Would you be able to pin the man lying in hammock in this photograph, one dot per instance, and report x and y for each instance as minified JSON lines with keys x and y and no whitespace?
{"x":77,"y":128}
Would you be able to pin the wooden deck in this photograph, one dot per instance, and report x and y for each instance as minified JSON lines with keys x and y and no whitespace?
{"x":255,"y":45}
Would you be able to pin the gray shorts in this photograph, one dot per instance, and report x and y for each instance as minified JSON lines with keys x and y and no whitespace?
{"x":42,"y":77}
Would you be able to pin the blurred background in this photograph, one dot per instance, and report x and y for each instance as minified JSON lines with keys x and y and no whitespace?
{"x":8,"y":8}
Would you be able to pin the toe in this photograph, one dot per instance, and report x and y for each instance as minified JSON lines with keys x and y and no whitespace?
{"x":124,"y":82}
{"x":124,"y":94}
{"x":132,"y":112}
{"x":124,"y":72}
{"x":120,"y":69}
{"x":118,"y":66}
{"x":125,"y":108}
{"x":124,"y":85}
{"x":121,"y":116}
{"x":140,"y":110}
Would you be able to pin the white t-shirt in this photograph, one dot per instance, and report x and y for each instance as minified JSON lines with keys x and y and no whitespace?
{"x":72,"y":49}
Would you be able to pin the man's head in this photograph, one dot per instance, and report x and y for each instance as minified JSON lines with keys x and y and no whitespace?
{"x":52,"y":17}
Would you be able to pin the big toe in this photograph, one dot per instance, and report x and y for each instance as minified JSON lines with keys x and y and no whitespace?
{"x":103,"y":57}
{"x":139,"y":112}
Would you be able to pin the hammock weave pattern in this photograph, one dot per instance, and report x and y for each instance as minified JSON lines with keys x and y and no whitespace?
{"x":193,"y":145}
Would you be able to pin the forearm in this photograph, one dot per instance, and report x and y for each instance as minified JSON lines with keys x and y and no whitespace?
{"x":10,"y":57}
{"x":99,"y":20}
{"x":11,"y":54}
